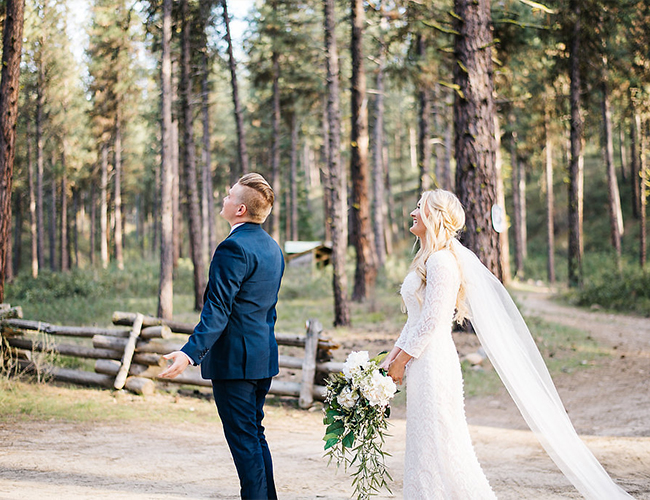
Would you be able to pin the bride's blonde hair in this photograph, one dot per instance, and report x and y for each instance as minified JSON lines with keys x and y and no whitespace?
{"x":443,"y":216}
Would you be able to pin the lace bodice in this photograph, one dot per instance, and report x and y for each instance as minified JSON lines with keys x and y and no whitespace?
{"x":433,"y":311}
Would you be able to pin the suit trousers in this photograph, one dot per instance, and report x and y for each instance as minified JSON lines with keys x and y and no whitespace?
{"x":241,"y":408}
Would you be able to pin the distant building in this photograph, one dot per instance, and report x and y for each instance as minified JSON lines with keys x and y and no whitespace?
{"x":307,"y":253}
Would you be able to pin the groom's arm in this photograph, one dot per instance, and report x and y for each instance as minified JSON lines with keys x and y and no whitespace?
{"x":227,"y":273}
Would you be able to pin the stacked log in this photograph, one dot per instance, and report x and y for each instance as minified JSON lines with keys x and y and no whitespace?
{"x":131,"y":357}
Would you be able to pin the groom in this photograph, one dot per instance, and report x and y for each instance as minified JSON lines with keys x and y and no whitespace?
{"x":234,"y":341}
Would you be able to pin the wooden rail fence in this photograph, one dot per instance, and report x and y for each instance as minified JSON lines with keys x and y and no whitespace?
{"x":131,"y":357}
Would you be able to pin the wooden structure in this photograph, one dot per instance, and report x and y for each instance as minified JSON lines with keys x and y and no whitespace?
{"x":131,"y":356}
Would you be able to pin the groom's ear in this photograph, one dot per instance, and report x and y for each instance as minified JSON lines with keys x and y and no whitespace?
{"x":242,"y":210}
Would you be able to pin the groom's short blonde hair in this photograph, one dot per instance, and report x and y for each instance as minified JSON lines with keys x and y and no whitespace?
{"x":258,"y":197}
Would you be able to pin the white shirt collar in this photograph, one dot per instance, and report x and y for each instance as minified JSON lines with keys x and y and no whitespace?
{"x":232,"y":228}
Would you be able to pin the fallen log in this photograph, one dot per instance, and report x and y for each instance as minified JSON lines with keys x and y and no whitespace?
{"x":306,"y":396}
{"x":156,"y":332}
{"x":74,"y":350}
{"x":283,"y":388}
{"x":127,"y":318}
{"x":20,"y":326}
{"x":112,"y":367}
{"x":151,"y":346}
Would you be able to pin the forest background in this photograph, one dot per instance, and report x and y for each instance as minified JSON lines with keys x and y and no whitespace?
{"x":125,"y":146}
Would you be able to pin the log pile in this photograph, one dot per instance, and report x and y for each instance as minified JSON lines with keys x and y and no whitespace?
{"x":130,"y":355}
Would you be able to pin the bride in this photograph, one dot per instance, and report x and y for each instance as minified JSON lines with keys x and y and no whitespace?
{"x":447,"y":282}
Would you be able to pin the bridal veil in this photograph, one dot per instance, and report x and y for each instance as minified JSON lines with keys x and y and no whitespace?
{"x":514,"y":355}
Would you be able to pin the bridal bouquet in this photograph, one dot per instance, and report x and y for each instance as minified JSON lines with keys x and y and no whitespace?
{"x":356,"y":412}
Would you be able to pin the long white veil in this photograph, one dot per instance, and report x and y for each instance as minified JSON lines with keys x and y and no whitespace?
{"x":514,"y":355}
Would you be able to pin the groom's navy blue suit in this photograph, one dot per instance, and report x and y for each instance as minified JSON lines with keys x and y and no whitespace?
{"x":235,"y":345}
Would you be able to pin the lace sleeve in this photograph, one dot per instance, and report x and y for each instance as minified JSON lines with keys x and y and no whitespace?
{"x":441,"y":290}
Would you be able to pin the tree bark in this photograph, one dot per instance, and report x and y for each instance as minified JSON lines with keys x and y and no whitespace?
{"x":103,"y":208}
{"x":550,"y":208}
{"x":12,"y":41}
{"x":474,"y":118}
{"x":40,"y":221}
{"x":635,"y":132}
{"x":75,"y":225}
{"x":336,"y":174}
{"x":53,"y":221}
{"x":363,"y":237}
{"x":576,"y":167}
{"x":239,"y":120}
{"x":504,"y":240}
{"x":165,"y":286}
{"x":177,"y":217}
{"x":93,"y":219}
{"x":117,"y":194}
{"x":623,"y":152}
{"x":189,"y":162}
{"x":379,"y":199}
{"x":65,"y":259}
{"x":14,"y":250}
{"x":519,"y":202}
{"x":613,"y":197}
{"x":293,"y":191}
{"x":424,"y":123}
{"x":643,"y":201}
{"x":207,"y":193}
{"x":32,"y":209}
{"x":274,"y":218}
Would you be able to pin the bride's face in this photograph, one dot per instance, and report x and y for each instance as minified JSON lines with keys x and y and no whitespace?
{"x":418,"y":228}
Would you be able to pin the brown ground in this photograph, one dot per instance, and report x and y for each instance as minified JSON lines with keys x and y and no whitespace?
{"x":609,"y":404}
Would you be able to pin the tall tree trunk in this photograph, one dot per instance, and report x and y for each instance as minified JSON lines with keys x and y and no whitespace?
{"x":576,"y":167}
{"x":366,"y":269}
{"x":336,"y":173}
{"x":15,"y":250}
{"x":40,"y":190}
{"x":614,"y":199}
{"x":177,"y":216}
{"x":239,"y":120}
{"x":424,"y":122}
{"x":550,"y":208}
{"x":32,"y":209}
{"x":504,"y":240}
{"x":53,"y":221}
{"x":207,"y":193}
{"x":622,"y":152}
{"x":75,"y":226}
{"x":635,"y":157}
{"x":12,"y":41}
{"x":519,"y":202}
{"x":103,"y":208}
{"x":378,"y":168}
{"x":324,"y":175}
{"x":65,"y":259}
{"x":274,"y":218}
{"x":93,"y":223}
{"x":448,"y":180}
{"x":293,"y":191}
{"x":165,"y":287}
{"x":189,"y":162}
{"x":117,"y":179}
{"x":643,"y":201}
{"x":474,"y":118}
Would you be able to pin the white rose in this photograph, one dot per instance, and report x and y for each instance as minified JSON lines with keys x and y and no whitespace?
{"x":355,"y":364}
{"x":348,"y":398}
{"x":379,"y":389}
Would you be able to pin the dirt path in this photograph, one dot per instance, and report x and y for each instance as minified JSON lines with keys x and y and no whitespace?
{"x":609,"y":405}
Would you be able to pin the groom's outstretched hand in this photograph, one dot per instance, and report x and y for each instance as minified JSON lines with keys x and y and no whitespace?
{"x":180,"y":361}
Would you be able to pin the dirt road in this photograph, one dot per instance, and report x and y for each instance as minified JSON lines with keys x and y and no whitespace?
{"x":608,"y":403}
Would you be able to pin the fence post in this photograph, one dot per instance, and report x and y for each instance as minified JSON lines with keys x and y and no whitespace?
{"x":314,"y":328}
{"x":120,"y":379}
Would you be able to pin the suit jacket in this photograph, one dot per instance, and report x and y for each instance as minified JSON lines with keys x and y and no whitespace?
{"x":235,"y":338}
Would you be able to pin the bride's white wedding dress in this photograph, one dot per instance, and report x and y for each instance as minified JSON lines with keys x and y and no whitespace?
{"x":440,"y":461}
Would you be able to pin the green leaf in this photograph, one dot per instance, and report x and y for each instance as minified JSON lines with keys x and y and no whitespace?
{"x":336,"y":426}
{"x":331,"y":442}
{"x":348,"y":440}
{"x":327,"y":437}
